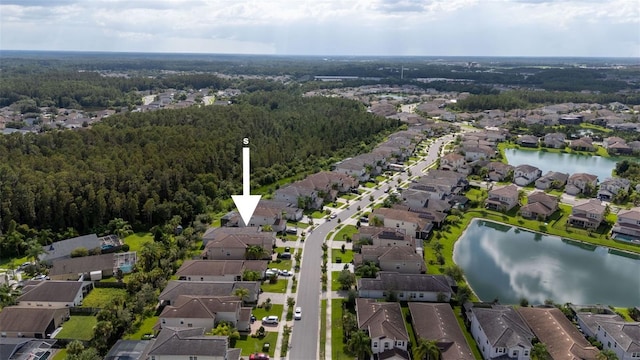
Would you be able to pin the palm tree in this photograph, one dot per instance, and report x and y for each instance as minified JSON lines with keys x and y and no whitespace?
{"x":426,"y":349}
{"x":359,"y":344}
{"x":34,"y":250}
{"x":242,"y":293}
{"x":607,"y":354}
{"x":254,"y":252}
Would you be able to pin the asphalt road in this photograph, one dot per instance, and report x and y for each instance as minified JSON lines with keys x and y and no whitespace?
{"x":305,"y":333}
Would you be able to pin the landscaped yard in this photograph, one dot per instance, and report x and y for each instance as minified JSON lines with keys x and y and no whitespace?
{"x":135,"y":241}
{"x":337,"y":346}
{"x":348,"y":196}
{"x":78,"y":327}
{"x":345,"y":257}
{"x":145,"y":328}
{"x":279,"y":287}
{"x":101,"y":297}
{"x":323,"y":327}
{"x":345,"y":232}
{"x":259,"y":313}
{"x":60,"y":355}
{"x":280,"y":264}
{"x":250,"y":345}
{"x":317,"y":214}
{"x":335,"y":285}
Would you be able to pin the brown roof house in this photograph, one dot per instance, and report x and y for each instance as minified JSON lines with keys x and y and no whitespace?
{"x":219,"y":270}
{"x":406,"y":287}
{"x":587,"y":215}
{"x":539,"y":206}
{"x":502,"y":199}
{"x":628,"y":223}
{"x":583,"y":144}
{"x":385,"y":236}
{"x":230,"y":246}
{"x":555,"y":140}
{"x":205,"y":312}
{"x":498,"y":171}
{"x":452,"y":162}
{"x":562,"y":338}
{"x":384,"y":323}
{"x":528,"y":140}
{"x":552,"y":180}
{"x":581,"y":183}
{"x":52,"y":293}
{"x":31,"y":322}
{"x":175,"y":288}
{"x":399,"y":259}
{"x":437,"y":322}
{"x":411,"y":222}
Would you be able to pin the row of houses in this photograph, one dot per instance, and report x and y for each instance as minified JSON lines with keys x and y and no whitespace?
{"x":614,"y":145}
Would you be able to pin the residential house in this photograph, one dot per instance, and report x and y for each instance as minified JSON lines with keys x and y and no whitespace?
{"x":608,"y":141}
{"x":480,"y":152}
{"x":354,"y":168}
{"x":499,"y":171}
{"x":403,"y":260}
{"x":385,"y":236}
{"x":615,"y":334}
{"x":437,"y":322}
{"x":53,"y":293}
{"x":452,"y":162}
{"x":63,"y":249}
{"x":289,"y":211}
{"x":583,"y":144}
{"x":176,"y":288}
{"x":411,"y":222}
{"x":299,"y":193}
{"x":268,"y":216}
{"x":214,"y":233}
{"x":628,"y":223}
{"x":128,"y":350}
{"x":31,"y":322}
{"x":384,"y":323}
{"x":524,"y":175}
{"x":610,"y":187}
{"x":528,"y":141}
{"x":190,"y":344}
{"x":587,"y":215}
{"x":562,"y":338}
{"x":500,"y":332}
{"x":635,"y":147}
{"x":555,"y":140}
{"x":575,"y":119}
{"x":74,"y":268}
{"x":205,"y":312}
{"x":619,"y":148}
{"x":552,"y":180}
{"x":406,"y":287}
{"x":539,"y":206}
{"x":219,"y":270}
{"x":503,"y":199}
{"x":581,"y":183}
{"x":237,"y":246}
{"x":415,"y":198}
{"x":331,"y":183}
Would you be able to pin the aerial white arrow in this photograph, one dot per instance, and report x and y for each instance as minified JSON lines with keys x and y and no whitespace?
{"x":246,"y":203}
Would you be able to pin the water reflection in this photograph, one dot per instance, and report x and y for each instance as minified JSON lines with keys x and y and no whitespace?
{"x":511,"y":266}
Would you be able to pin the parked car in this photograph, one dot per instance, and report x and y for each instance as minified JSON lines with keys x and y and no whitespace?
{"x":271,"y":272}
{"x":333,"y":216}
{"x":252,"y":319}
{"x":286,"y":273}
{"x":272,"y":319}
{"x":259,"y":356}
{"x":297,"y":315}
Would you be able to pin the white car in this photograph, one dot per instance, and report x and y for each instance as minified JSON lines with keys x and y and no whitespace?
{"x":272,"y":319}
{"x":286,"y":273}
{"x":333,"y":216}
{"x":297,"y":315}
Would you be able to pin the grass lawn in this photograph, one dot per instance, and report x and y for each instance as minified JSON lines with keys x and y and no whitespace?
{"x":624,"y":312}
{"x":6,"y":263}
{"x":101,"y":297}
{"x":470,"y":341}
{"x":408,"y":324}
{"x":348,"y":196}
{"x":337,"y":347}
{"x":135,"y":241}
{"x":279,"y":287}
{"x":78,"y":327}
{"x":369,"y":184}
{"x":250,"y":345}
{"x":323,"y":328}
{"x":302,"y":225}
{"x":281,"y":265}
{"x":145,"y":328}
{"x":347,"y":257}
{"x":345,"y":232}
{"x":276,"y":309}
{"x":335,"y":285}
{"x":60,"y":355}
{"x":317,"y":214}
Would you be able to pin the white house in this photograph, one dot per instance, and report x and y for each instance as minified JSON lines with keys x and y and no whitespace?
{"x":615,"y":334}
{"x":500,"y":332}
{"x":406,"y":287}
{"x":628,"y":223}
{"x":384,"y":323}
{"x":524,"y":175}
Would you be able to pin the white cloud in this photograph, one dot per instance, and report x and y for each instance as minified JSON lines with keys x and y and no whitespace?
{"x":358,"y":27}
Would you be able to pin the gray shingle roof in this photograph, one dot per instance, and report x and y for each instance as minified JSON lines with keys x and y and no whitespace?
{"x":52,"y":291}
{"x":503,"y":326}
{"x":188,"y":341}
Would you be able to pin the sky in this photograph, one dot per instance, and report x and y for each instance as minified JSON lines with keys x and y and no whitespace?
{"x":567,"y":28}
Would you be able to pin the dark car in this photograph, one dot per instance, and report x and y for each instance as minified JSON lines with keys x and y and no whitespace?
{"x":259,"y":356}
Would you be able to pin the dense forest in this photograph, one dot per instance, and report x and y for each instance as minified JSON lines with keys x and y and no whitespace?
{"x":148,"y":167}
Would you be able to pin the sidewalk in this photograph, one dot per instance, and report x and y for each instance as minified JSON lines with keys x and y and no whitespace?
{"x":277,"y":353}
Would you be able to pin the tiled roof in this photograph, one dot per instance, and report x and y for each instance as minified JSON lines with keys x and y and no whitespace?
{"x":381,"y":319}
{"x":437,"y":322}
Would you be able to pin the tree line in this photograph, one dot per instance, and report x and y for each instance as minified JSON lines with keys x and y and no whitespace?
{"x":148,"y":167}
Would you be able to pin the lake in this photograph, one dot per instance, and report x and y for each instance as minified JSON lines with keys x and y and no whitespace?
{"x":510,"y":263}
{"x":563,"y":162}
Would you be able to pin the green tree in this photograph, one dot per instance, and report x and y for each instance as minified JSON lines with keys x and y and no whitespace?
{"x":254,"y":252}
{"x":463,"y":294}
{"x":539,"y":352}
{"x":346,"y":279}
{"x":75,"y":347}
{"x":426,"y":349}
{"x":455,"y":272}
{"x":34,"y":250}
{"x":607,"y":354}
{"x":242,"y":293}
{"x":359,"y":344}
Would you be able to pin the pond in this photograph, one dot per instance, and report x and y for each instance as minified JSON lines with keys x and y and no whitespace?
{"x":563,"y":162}
{"x":509,"y":263}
